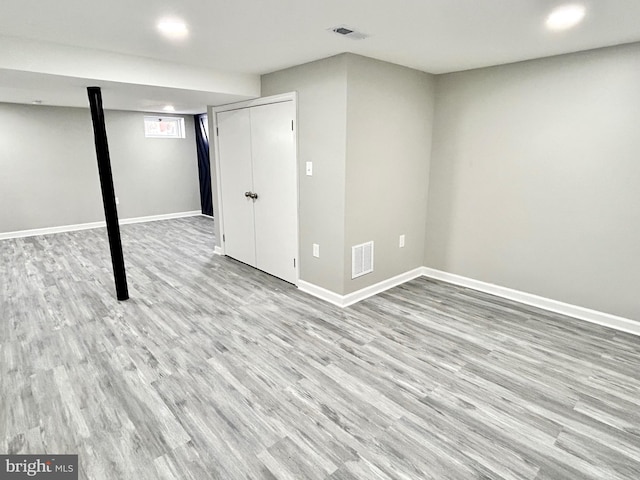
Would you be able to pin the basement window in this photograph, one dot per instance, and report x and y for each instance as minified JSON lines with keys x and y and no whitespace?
{"x":164,"y":127}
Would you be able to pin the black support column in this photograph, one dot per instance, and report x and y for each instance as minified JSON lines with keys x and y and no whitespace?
{"x":108,"y":193}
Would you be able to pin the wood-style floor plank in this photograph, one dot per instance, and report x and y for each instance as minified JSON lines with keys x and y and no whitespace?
{"x":214,"y":370}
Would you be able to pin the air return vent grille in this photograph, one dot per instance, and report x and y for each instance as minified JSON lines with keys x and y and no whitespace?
{"x":348,"y":32}
{"x":361,"y":259}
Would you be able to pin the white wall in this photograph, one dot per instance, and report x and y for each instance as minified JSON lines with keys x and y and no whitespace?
{"x":49,"y":174}
{"x":535,"y":178}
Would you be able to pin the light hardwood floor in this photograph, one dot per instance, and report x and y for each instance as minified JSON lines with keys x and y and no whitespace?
{"x":213,"y":370}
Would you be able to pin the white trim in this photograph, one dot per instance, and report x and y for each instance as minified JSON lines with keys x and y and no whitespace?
{"x":255,"y":102}
{"x":87,"y":226}
{"x":50,"y":230}
{"x":357,"y":296}
{"x":380,"y":287}
{"x":216,"y":186}
{"x":293,"y":96}
{"x":593,"y":316}
{"x":575,"y":311}
{"x":218,"y":251}
{"x":321,"y":293}
{"x":179,"y":121}
{"x":164,"y":216}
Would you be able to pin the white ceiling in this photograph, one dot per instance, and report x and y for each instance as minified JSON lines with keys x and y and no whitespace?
{"x":258,"y":36}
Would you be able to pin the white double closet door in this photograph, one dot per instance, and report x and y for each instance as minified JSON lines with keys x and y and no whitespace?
{"x":258,"y":186}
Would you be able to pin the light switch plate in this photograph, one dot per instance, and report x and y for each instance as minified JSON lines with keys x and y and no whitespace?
{"x":316,"y":250}
{"x":310,"y":168}
{"x":401,"y":242}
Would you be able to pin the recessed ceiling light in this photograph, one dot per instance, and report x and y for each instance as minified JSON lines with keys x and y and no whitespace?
{"x":169,"y":108}
{"x":173,"y":28}
{"x":565,"y":17}
{"x":37,"y":102}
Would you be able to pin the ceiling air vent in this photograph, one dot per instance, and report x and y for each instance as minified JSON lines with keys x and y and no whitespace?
{"x":361,"y":259}
{"x":349,"y":32}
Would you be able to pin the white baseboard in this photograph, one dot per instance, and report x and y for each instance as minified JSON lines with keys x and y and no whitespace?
{"x":321,"y":293}
{"x":351,"y":298}
{"x":218,"y":250}
{"x":581,"y":313}
{"x":380,"y":287}
{"x":88,"y":226}
{"x":164,"y":216}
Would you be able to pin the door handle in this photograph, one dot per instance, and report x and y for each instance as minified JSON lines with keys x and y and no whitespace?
{"x":251,"y":195}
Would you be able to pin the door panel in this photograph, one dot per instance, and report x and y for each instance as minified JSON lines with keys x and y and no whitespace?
{"x":236,"y":172}
{"x":275,"y":182}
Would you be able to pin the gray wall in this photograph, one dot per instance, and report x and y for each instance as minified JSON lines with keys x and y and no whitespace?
{"x":535,"y":178}
{"x":49,"y":174}
{"x":322,"y":119}
{"x":366,"y":126}
{"x":152,"y":176}
{"x":389,"y":124}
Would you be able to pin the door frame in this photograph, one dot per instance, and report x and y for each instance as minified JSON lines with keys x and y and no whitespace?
{"x":284,"y":97}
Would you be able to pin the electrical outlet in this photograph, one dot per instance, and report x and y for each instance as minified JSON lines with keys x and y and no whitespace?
{"x":310,"y":168}
{"x":401,"y":241}
{"x":316,"y":250}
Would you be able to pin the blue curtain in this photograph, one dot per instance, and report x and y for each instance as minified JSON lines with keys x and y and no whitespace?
{"x":204,"y":165}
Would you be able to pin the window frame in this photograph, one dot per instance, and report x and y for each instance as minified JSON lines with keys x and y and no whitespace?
{"x":178,"y":121}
